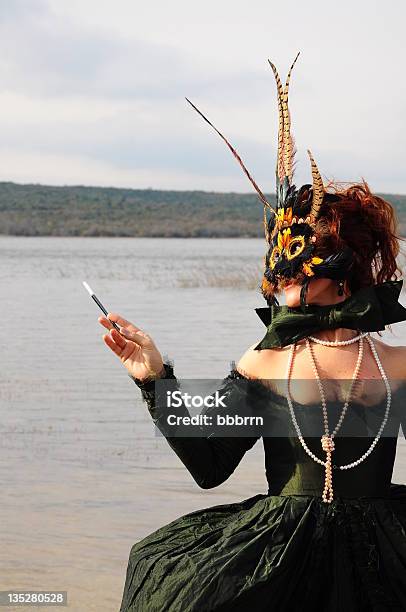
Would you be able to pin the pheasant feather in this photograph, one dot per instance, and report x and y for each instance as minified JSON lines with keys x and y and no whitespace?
{"x":288,"y":143}
{"x":318,"y":188}
{"x":238,"y":158}
{"x":280,"y":167}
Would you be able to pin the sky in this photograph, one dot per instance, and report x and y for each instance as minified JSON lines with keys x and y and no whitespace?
{"x":92,"y":92}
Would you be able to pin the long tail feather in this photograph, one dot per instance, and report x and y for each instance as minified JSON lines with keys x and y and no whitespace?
{"x":288,"y":144}
{"x":280,"y":167}
{"x":238,"y":158}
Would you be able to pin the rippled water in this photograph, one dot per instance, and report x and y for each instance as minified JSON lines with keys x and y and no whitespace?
{"x":83,"y":475}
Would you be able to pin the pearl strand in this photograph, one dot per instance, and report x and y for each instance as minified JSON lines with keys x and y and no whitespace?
{"x":338,"y":342}
{"x":327,"y":464}
{"x":323,"y":397}
{"x":327,"y":441}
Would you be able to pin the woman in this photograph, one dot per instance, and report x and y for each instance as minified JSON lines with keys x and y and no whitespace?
{"x":330,"y":534}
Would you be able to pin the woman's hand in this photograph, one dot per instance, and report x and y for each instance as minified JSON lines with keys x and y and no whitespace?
{"x":136,"y":350}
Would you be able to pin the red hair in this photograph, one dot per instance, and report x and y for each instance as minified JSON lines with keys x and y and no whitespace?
{"x":367,"y":224}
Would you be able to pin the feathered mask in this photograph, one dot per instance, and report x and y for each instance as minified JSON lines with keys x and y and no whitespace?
{"x":290,"y":231}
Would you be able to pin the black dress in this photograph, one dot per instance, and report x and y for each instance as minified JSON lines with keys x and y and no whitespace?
{"x":284,"y":550}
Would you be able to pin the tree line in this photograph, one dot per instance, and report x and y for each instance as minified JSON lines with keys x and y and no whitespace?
{"x":40,"y":210}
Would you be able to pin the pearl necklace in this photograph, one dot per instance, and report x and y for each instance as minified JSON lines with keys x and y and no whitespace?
{"x":327,"y":442}
{"x":338,"y":342}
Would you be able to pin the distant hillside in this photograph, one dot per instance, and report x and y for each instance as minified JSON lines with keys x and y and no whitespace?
{"x":39,"y":210}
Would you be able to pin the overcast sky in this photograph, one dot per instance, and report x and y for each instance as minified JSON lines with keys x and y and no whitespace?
{"x":93,"y":92}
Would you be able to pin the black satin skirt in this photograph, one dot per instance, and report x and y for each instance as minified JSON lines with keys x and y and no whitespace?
{"x":275,"y":553}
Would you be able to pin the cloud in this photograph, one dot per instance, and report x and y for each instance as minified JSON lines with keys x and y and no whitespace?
{"x":65,"y":169}
{"x":45,"y":55}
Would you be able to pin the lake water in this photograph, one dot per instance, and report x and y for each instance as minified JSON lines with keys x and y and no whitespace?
{"x":83,"y":474}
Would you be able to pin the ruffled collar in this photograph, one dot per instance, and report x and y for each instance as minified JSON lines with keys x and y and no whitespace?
{"x":368,"y":309}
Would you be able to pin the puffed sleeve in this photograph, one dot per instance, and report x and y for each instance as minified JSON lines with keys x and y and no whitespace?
{"x":210,"y":457}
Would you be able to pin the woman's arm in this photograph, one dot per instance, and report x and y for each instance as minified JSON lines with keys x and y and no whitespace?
{"x":210,"y":460}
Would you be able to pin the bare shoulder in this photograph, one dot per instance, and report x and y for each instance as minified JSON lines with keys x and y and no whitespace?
{"x":258,"y":363}
{"x":394,"y":357}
